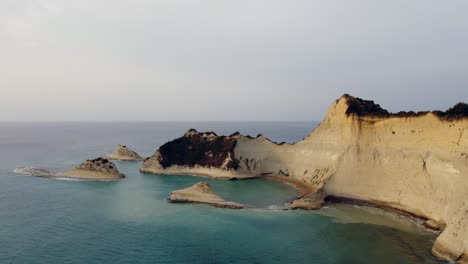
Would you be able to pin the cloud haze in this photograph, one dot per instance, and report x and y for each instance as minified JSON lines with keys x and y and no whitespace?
{"x":108,"y":60}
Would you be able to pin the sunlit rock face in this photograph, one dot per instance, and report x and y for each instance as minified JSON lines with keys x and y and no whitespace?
{"x":415,"y":162}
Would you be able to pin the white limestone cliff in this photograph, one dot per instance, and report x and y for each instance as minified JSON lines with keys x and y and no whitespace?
{"x":417,"y":163}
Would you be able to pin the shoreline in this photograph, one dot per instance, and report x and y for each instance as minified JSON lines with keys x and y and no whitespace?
{"x":211,"y":173}
{"x":304,"y":190}
{"x":91,"y":175}
{"x":121,"y":158}
{"x":330,"y":199}
{"x":74,"y":174}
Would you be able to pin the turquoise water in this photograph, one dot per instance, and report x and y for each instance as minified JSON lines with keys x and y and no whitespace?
{"x":128,"y":221}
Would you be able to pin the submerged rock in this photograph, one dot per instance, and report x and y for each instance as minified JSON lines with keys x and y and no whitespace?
{"x":203,"y":194}
{"x":123,"y":153}
{"x":99,"y":169}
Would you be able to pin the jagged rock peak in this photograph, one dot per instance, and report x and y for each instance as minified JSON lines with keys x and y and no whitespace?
{"x":193,"y":132}
{"x":125,"y":151}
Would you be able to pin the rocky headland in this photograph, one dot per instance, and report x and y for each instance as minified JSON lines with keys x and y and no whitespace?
{"x":195,"y":153}
{"x":201,"y":193}
{"x":412,"y":162}
{"x":96,"y":169}
{"x":123,"y":153}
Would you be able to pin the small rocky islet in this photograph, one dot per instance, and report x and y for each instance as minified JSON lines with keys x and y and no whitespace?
{"x":95,"y":169}
{"x":202,"y":193}
{"x":98,"y":169}
{"x":122,"y":152}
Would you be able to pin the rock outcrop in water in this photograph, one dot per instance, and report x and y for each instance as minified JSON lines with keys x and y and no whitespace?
{"x":96,"y":169}
{"x":310,"y":201}
{"x":203,"y":194}
{"x":198,"y":154}
{"x":414,"y":162}
{"x":123,"y":153}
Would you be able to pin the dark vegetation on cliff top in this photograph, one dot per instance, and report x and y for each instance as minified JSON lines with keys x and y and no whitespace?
{"x":98,"y":164}
{"x":99,"y":160}
{"x":198,"y":150}
{"x":360,"y":107}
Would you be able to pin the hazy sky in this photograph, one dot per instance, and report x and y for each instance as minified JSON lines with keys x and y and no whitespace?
{"x":107,"y":60}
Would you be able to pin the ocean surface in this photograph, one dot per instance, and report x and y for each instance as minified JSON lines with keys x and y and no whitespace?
{"x":128,"y":221}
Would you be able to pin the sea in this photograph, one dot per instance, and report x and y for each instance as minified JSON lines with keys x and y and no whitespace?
{"x":129,"y":221}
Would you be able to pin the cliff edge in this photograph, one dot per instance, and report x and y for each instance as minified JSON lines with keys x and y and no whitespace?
{"x":414,"y":162}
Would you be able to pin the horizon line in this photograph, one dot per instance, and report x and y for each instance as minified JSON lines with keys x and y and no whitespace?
{"x":158,"y":121}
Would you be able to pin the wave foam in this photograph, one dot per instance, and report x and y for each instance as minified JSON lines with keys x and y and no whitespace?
{"x":31,"y":171}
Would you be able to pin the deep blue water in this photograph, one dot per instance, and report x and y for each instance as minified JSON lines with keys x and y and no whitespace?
{"x":128,"y":221}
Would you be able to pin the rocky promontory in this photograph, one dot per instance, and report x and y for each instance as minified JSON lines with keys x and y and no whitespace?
{"x":195,"y":153}
{"x":123,"y":153}
{"x":96,"y":169}
{"x":202,"y":193}
{"x":416,"y":162}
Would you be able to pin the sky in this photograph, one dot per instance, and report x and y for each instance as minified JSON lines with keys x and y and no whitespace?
{"x":216,"y":60}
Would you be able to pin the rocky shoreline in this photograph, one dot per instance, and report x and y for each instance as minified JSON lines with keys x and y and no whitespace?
{"x":406,"y":161}
{"x":412,"y":163}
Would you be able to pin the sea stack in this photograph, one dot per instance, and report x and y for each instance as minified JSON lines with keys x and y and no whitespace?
{"x":202,"y":193}
{"x":96,"y":169}
{"x":122,"y":152}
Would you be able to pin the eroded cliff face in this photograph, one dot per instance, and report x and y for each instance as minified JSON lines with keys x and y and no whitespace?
{"x":416,"y":162}
{"x":196,"y":153}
